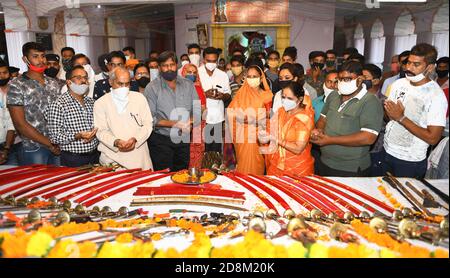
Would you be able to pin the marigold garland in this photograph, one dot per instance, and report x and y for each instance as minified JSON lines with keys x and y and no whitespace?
{"x":42,"y":243}
{"x":389,"y":196}
{"x":404,"y":249}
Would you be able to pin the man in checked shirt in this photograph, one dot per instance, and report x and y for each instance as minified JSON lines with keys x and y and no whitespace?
{"x":71,"y":119}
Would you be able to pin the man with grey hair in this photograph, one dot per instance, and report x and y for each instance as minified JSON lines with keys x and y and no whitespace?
{"x":124,"y":123}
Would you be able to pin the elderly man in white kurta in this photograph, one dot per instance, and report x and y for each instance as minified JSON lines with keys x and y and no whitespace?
{"x":124,"y":123}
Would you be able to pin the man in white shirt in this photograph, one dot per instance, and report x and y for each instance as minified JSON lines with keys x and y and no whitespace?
{"x":7,"y":132}
{"x":216,"y":86}
{"x":124,"y":122}
{"x":416,"y":106}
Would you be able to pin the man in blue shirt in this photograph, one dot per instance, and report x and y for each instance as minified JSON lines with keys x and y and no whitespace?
{"x":330,"y":84}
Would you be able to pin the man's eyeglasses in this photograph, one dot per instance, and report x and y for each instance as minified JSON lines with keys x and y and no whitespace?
{"x":80,"y":78}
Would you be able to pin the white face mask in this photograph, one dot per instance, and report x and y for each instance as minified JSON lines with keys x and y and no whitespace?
{"x":195,"y":59}
{"x":254,"y":82}
{"x":127,"y":57}
{"x":183,"y":63}
{"x":120,"y":98}
{"x":154,"y":73}
{"x":326,"y":91}
{"x":288,"y":104}
{"x":416,"y":78}
{"x":211,"y":66}
{"x":347,"y":88}
{"x":79,"y":89}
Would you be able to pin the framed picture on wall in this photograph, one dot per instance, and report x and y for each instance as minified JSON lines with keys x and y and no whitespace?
{"x":202,"y":34}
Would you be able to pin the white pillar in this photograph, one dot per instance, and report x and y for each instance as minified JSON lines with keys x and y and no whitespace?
{"x":14,"y":43}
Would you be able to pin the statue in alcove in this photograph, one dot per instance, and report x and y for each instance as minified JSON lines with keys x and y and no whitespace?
{"x":251,"y":42}
{"x":219,"y":15}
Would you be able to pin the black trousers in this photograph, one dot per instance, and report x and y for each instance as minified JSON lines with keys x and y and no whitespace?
{"x":166,"y":154}
{"x":76,"y":160}
{"x":401,"y":168}
{"x":213,"y":137}
{"x":324,"y":170}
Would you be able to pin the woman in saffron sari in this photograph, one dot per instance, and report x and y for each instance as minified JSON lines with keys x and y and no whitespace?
{"x":197,"y":147}
{"x":291,"y":148}
{"x":246,"y":113}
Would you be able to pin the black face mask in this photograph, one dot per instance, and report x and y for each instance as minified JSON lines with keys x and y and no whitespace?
{"x":3,"y":82}
{"x":330,"y":63}
{"x":368,"y":84}
{"x":143,"y":81}
{"x":442,"y":73}
{"x":284,"y":83}
{"x":51,"y":72}
{"x":169,"y":75}
{"x":318,"y":65}
{"x":66,"y":64}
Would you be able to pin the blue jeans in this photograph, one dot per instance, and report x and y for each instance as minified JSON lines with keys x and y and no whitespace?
{"x":39,"y":155}
{"x":376,"y":167}
{"x":15,"y":155}
{"x":402,"y":168}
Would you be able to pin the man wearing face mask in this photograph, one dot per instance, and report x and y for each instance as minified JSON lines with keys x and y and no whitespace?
{"x":403,"y":59}
{"x":315,"y":77}
{"x":142,"y":76}
{"x":53,"y":67}
{"x":175,"y":106}
{"x":349,"y":124}
{"x":124,"y":123}
{"x":273,"y":62}
{"x":115,"y":59}
{"x":442,"y":66}
{"x":82,"y":60}
{"x":28,"y":98}
{"x":237,"y":68}
{"x":7,"y":132}
{"x":194,"y":54}
{"x":416,"y":106}
{"x":129,"y":52}
{"x":184,"y":60}
{"x":66,"y":54}
{"x":372,"y":75}
{"x":330,"y":85}
{"x":71,"y":121}
{"x":216,"y":86}
{"x":152,"y":64}
{"x":330,"y":62}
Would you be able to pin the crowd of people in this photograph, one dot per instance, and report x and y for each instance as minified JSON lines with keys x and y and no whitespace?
{"x":263,"y":114}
